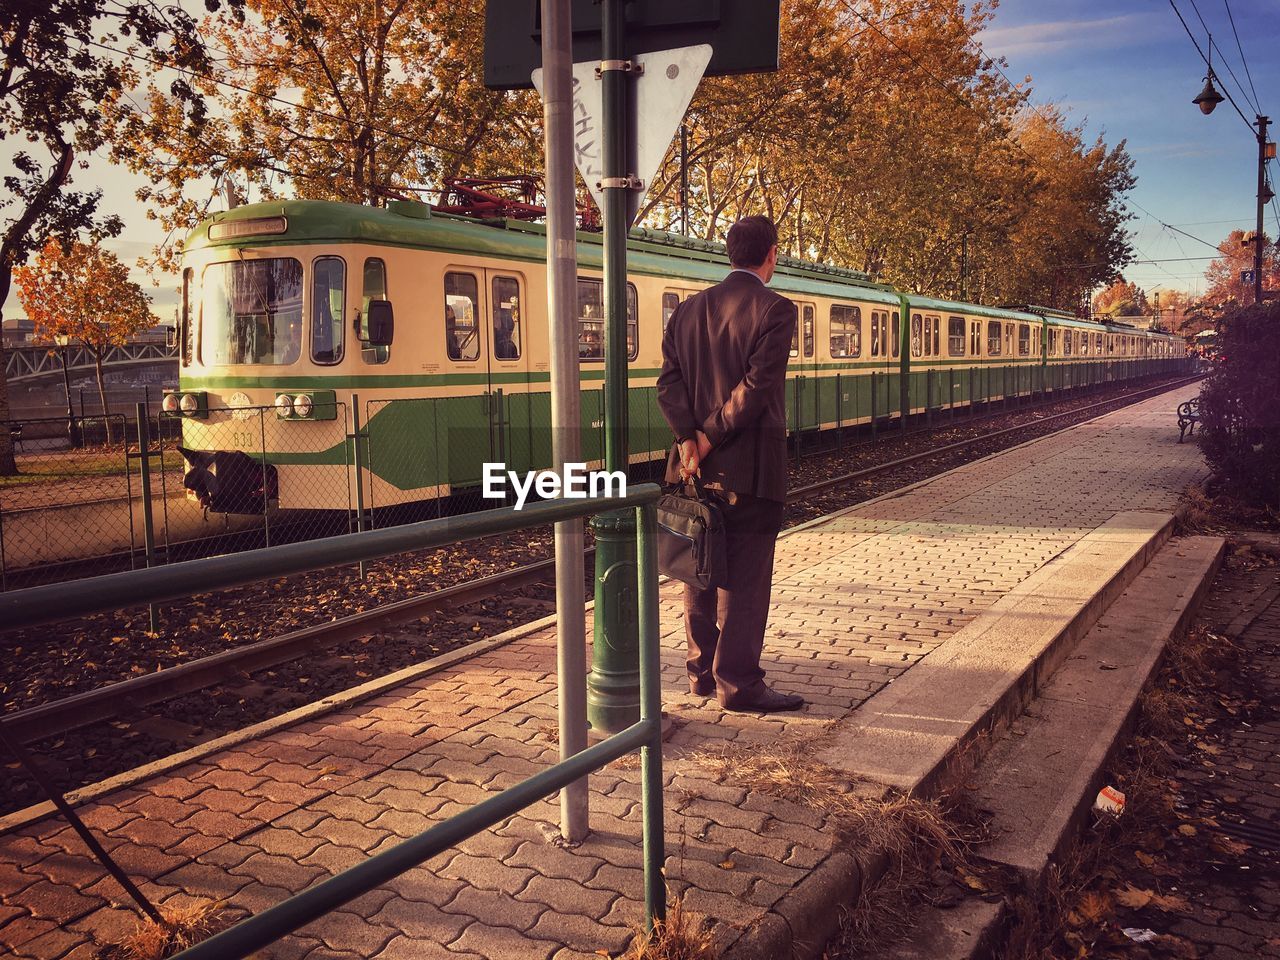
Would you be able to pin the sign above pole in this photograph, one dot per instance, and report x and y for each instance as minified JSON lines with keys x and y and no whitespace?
{"x":743,"y":35}
{"x":665,"y":82}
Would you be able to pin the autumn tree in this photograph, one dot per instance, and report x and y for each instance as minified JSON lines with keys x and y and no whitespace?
{"x":1225,"y":286}
{"x":390,"y":100}
{"x":60,"y":60}
{"x":1121,"y":299}
{"x":885,"y":141}
{"x":83,"y":291}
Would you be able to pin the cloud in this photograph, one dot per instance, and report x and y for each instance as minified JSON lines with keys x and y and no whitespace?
{"x":1058,"y":35}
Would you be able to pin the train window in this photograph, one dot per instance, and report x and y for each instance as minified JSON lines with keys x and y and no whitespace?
{"x":1008,"y":339}
{"x":935,"y":327}
{"x":461,"y":312}
{"x":917,"y":326}
{"x":975,"y":338}
{"x":328,"y":308}
{"x":955,"y":336}
{"x":993,"y":338}
{"x":895,"y":336}
{"x":846,"y":331}
{"x":186,"y":329}
{"x":669,"y":303}
{"x":795,"y":339}
{"x":877,"y":333}
{"x":251,"y":312}
{"x":591,"y":320}
{"x":374,"y":288}
{"x":1024,"y":339}
{"x":1067,"y":338}
{"x":506,"y":318}
{"x":807,"y":320}
{"x":1039,"y":340}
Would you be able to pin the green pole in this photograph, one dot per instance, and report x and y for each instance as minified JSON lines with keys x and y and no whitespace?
{"x":357,"y":460}
{"x":148,"y":521}
{"x":655,"y":887}
{"x":904,"y":362}
{"x":613,"y":687}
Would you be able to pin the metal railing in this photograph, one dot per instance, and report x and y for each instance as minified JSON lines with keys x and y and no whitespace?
{"x":48,"y":604}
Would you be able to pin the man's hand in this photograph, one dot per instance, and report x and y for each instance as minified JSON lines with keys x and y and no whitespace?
{"x":689,"y":459}
{"x":704,"y":446}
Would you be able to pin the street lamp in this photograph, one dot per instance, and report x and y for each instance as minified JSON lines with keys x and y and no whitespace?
{"x":73,"y":429}
{"x":1208,"y":99}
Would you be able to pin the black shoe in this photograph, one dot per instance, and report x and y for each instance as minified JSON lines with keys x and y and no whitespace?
{"x":766,"y":701}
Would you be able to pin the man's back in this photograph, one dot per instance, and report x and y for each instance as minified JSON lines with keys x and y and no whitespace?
{"x":724,"y":368}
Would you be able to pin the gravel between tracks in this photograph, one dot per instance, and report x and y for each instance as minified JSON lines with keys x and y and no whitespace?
{"x":42,"y":665}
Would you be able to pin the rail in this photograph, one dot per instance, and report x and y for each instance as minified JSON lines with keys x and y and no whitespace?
{"x":47,"y":604}
{"x":61,"y":716}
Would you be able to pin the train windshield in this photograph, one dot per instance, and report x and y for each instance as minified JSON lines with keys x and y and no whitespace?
{"x":252,"y":312}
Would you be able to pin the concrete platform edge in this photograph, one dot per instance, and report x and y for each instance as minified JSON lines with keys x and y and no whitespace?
{"x":938,"y":936}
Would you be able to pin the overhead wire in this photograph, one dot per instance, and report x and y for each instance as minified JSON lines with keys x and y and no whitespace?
{"x":1257,"y":101}
{"x":1230,"y":99}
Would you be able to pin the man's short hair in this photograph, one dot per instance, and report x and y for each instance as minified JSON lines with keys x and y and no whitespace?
{"x":749,"y":241}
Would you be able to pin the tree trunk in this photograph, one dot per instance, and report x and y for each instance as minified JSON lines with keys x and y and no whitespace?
{"x":10,"y":246}
{"x":8,"y":465}
{"x":102,"y":392}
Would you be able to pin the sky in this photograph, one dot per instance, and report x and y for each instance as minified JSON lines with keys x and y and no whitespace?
{"x":1128,"y":71}
{"x":1125,"y":69}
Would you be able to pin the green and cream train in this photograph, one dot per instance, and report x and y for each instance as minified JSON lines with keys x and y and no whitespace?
{"x":289,"y":351}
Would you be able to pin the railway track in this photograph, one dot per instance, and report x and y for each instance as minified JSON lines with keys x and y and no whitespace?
{"x":234,"y":669}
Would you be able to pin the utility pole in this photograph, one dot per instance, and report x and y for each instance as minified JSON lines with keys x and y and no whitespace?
{"x":684,"y":178}
{"x":1262,"y":200}
{"x":566,"y":399}
{"x":613,"y":688}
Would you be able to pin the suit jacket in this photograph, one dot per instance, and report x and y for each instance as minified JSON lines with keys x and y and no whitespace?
{"x":724,"y":366}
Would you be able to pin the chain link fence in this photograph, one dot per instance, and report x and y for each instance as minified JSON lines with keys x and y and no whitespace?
{"x":71,"y":495}
{"x":239,"y":478}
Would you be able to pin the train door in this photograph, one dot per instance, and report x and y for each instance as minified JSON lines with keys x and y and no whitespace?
{"x":509,"y":409}
{"x":804,"y":370}
{"x":464,"y":423}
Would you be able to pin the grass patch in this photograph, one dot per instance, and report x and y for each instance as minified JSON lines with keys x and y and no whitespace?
{"x":680,"y":937}
{"x":916,"y":839}
{"x":184,"y":927}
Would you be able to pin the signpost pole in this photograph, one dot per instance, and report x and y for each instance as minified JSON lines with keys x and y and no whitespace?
{"x":566,"y":400}
{"x":613,"y":689}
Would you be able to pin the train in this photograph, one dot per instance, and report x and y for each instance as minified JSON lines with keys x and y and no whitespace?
{"x":345,"y":357}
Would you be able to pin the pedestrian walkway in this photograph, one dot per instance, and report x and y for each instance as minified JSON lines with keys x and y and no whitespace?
{"x":859,"y":599}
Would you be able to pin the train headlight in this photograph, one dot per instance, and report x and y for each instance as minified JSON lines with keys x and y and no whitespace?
{"x":188,"y":404}
{"x":284,"y":405}
{"x":303,"y":405}
{"x":170,"y":404}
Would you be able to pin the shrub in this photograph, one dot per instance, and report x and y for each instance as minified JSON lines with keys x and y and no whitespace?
{"x":1240,"y":405}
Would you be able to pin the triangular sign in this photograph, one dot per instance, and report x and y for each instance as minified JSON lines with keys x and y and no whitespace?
{"x":662,"y":94}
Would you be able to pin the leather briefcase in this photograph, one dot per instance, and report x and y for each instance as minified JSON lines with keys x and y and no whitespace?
{"x":691,"y":536}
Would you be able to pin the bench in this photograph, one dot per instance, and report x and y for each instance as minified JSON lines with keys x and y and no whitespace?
{"x":1188,"y":417}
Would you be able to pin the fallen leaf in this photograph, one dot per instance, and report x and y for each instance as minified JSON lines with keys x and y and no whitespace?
{"x":1133,"y":897}
{"x":727,"y":865}
{"x":1229,"y":845}
{"x":1187,"y":830}
{"x":972,"y":882}
{"x":1094,"y":906}
{"x":1171,"y":903}
{"x":1146,"y":859}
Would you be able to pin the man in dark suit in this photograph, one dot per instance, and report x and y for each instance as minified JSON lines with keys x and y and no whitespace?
{"x":722,"y":390}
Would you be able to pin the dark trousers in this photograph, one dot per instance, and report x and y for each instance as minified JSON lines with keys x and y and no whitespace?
{"x":725,"y":627}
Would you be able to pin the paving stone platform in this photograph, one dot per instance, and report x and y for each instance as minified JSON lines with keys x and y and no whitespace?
{"x":859,"y":599}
